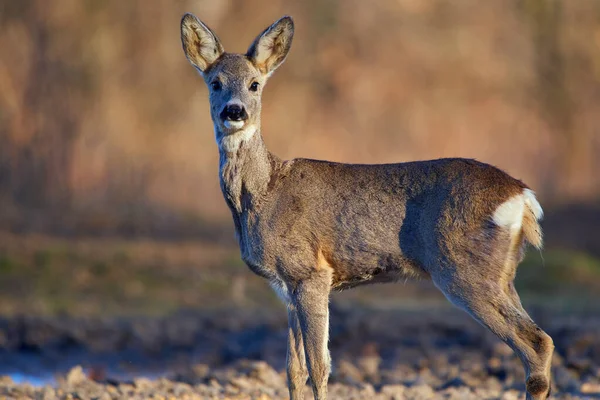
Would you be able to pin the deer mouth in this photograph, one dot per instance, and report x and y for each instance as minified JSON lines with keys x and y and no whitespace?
{"x":230,"y":124}
{"x":234,"y":116}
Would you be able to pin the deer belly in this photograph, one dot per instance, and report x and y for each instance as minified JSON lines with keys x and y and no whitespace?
{"x":383,"y":269}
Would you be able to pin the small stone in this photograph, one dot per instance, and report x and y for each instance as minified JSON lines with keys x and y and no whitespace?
{"x":201,"y":370}
{"x":179,"y":389}
{"x":112,"y":389}
{"x":458,"y":393}
{"x":76,"y":376}
{"x":348,"y":373}
{"x":455,"y":382}
{"x":580,"y":364}
{"x":494,"y":363}
{"x":369,"y":361}
{"x":142,"y":383}
{"x":590,"y":388}
{"x":266,"y":374}
{"x":419,"y":392}
{"x":491,"y":383}
{"x":511,"y":395}
{"x":48,"y":393}
{"x":565,"y":379}
{"x":557,"y":359}
{"x":501,"y":349}
{"x":6,"y":380}
{"x":395,"y":392}
{"x":241,"y":383}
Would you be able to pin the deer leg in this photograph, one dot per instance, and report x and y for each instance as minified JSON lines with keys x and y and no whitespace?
{"x":494,"y":308}
{"x":539,"y":340}
{"x":311,"y":299}
{"x":296,"y":361}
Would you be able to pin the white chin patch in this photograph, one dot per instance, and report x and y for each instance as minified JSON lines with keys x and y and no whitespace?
{"x":231,"y":142}
{"x":233,"y":124}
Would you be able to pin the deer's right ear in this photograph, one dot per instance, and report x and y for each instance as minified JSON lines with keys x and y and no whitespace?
{"x":200,"y":44}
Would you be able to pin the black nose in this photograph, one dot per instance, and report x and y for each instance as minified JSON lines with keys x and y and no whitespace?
{"x":234,"y":112}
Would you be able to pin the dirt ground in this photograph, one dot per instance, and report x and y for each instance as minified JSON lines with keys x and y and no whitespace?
{"x":158,"y":319}
{"x":377,"y":354}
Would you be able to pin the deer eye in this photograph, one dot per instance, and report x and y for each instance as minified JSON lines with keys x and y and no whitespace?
{"x":254,"y":87}
{"x":215,"y":85}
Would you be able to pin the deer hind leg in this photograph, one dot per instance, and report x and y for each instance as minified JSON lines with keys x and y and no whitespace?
{"x":311,"y":299}
{"x":537,"y":339}
{"x":494,"y":305}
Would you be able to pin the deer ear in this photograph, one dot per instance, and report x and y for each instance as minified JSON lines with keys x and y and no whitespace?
{"x":200,"y":44}
{"x":270,"y":48}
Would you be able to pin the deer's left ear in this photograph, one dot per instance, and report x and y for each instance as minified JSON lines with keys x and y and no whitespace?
{"x":270,"y":48}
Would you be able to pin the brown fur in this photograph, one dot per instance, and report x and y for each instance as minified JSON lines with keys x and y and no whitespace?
{"x":311,"y":226}
{"x":532,"y":229}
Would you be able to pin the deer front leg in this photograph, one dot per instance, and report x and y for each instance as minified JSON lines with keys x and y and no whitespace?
{"x":296,"y":361}
{"x":311,"y":299}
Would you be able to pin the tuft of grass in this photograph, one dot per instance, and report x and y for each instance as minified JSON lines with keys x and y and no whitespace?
{"x":42,"y":258}
{"x":44,"y":275}
{"x":7,"y":265}
{"x":100,"y":269}
{"x":559,"y":275}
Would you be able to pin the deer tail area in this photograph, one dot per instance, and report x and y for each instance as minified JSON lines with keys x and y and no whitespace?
{"x":521,"y":214}
{"x":533,"y":213}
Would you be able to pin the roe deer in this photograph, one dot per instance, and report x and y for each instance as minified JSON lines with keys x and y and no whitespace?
{"x":311,"y":226}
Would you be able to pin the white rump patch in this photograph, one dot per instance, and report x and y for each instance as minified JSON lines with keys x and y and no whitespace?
{"x":533,"y":204}
{"x":510,"y":213}
{"x":230,"y":143}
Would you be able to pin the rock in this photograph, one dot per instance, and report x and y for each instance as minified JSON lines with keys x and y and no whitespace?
{"x":264,"y":373}
{"x":590,"y":388}
{"x":419,"y":392}
{"x":455,"y":382}
{"x":369,"y":362}
{"x":511,"y":395}
{"x":502,"y":350}
{"x":491,"y":383}
{"x":76,"y":376}
{"x":6,"y":381}
{"x":459,"y":393}
{"x":347,"y":373}
{"x":142,"y":383}
{"x":394,"y":392}
{"x":201,"y":370}
{"x":565,"y":379}
{"x":48,"y":394}
{"x":557,"y":359}
{"x":580,"y":364}
{"x":242,"y":383}
{"x":410,"y":358}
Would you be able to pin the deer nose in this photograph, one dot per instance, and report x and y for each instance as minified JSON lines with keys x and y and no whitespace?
{"x":234,"y":112}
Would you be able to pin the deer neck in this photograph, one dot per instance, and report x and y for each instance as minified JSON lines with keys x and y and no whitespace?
{"x":245,"y":168}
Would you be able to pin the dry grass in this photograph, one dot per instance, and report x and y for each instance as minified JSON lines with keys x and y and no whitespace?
{"x":42,"y":275}
{"x":104,"y":126}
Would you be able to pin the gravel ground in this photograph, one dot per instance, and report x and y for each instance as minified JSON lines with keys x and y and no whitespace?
{"x":384,"y":354}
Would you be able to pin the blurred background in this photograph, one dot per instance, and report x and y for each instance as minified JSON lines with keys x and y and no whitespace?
{"x":109,"y":194}
{"x":116,"y":246}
